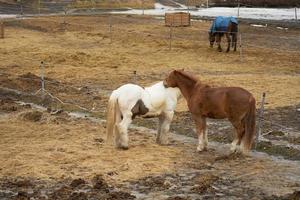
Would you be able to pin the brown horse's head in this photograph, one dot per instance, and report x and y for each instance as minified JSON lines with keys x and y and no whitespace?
{"x":170,"y":80}
{"x":211,"y":38}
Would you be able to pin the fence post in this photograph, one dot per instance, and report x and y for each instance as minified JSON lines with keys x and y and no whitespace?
{"x":238,"y":14}
{"x":134,"y":77}
{"x":1,"y":29}
{"x":260,"y":118}
{"x":21,"y":7}
{"x":241,"y":48}
{"x":296,"y":17}
{"x":65,"y":23}
{"x":42,"y":78}
{"x":143,"y":7}
{"x":110,"y":28}
{"x":39,"y":7}
{"x":170,"y":36}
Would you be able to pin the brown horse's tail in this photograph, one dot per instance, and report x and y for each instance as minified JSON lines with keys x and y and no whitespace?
{"x":112,"y":117}
{"x":249,"y":120}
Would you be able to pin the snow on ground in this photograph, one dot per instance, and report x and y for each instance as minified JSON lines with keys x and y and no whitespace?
{"x":250,"y":13}
{"x":7,"y":16}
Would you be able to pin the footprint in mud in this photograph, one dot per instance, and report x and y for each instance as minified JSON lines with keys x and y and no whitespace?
{"x":33,"y":116}
{"x":66,"y":189}
{"x":231,"y":156}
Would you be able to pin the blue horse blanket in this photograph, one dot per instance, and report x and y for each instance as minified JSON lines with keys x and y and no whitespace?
{"x":221,"y":24}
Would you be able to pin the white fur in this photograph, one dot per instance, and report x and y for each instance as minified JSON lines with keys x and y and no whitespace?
{"x":159,"y":100}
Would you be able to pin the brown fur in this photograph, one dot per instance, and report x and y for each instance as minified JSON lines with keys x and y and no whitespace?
{"x":234,"y":103}
{"x":139,"y":109}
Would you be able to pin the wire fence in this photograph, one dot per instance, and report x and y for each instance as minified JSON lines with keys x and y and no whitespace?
{"x":115,"y":27}
{"x":42,"y":92}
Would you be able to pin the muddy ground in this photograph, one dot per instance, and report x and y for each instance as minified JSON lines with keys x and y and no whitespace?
{"x":48,"y":150}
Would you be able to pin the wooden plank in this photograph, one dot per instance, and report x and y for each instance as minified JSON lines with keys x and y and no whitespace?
{"x":177,"y":19}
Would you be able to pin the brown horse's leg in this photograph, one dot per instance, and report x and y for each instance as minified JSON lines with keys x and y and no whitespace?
{"x":200,"y":123}
{"x":234,"y":38}
{"x":239,"y":132}
{"x":228,"y":41}
{"x":218,"y":40}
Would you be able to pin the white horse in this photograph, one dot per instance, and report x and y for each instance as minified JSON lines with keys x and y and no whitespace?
{"x":131,"y":100}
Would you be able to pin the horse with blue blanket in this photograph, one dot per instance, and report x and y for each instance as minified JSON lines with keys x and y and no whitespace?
{"x":224,"y":25}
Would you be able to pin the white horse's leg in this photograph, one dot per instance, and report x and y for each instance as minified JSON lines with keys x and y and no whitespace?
{"x":122,"y":140}
{"x":205,"y":139}
{"x":200,"y":123}
{"x":165,"y":120}
{"x":160,"y":121}
{"x":234,"y":143}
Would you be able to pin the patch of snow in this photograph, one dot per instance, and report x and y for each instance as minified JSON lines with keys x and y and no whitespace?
{"x":259,"y":25}
{"x":282,"y":28}
{"x":250,"y":13}
{"x":7,"y":16}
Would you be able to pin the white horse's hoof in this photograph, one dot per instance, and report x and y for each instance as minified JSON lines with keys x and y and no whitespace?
{"x":162,"y":142}
{"x":233,"y":148}
{"x":201,"y":148}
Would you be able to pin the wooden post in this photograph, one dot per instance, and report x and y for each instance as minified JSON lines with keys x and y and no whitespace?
{"x":110,"y":28}
{"x":143,"y":7}
{"x":238,"y":14}
{"x":21,"y":8}
{"x":134,"y":77}
{"x":170,"y":36}
{"x":260,"y":118}
{"x":39,"y":8}
{"x":296,"y":17}
{"x":42,"y":78}
{"x":1,"y":30}
{"x":241,"y":48}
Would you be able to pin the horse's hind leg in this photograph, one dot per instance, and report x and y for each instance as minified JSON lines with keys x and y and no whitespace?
{"x":239,"y":132}
{"x":122,"y":138}
{"x":218,"y":40}
{"x":228,"y":41}
{"x":200,"y":123}
{"x":234,"y":38}
{"x":165,"y":120}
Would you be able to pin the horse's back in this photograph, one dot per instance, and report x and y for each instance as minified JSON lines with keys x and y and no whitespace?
{"x":221,"y":102}
{"x":128,"y":95}
{"x":232,"y":94}
{"x":221,"y":23}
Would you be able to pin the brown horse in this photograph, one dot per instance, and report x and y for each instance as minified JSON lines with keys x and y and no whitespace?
{"x":234,"y":103}
{"x":221,"y":26}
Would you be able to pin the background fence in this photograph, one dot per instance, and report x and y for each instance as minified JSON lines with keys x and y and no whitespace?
{"x":112,"y":27}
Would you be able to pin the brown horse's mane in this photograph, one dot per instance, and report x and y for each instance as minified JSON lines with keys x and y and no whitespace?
{"x":189,"y":76}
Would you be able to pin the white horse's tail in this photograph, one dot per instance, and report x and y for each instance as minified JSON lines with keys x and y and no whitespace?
{"x":113,"y":116}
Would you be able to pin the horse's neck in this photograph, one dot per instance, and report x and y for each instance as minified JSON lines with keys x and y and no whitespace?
{"x":185,"y":85}
{"x":173,"y":92}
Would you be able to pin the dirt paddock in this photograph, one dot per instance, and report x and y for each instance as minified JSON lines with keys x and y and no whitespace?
{"x":54,"y":150}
